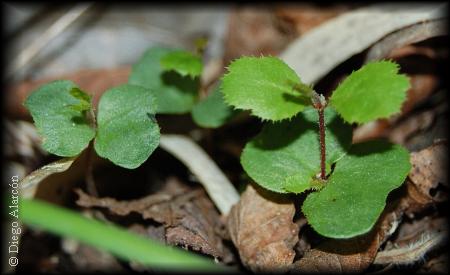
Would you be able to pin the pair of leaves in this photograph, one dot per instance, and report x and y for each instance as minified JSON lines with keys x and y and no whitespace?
{"x":163,"y":71}
{"x":273,"y":91}
{"x":126,"y":131}
{"x":284,"y":157}
{"x":174,"y":76}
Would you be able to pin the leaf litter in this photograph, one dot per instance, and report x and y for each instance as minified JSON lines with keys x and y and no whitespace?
{"x":188,"y":216}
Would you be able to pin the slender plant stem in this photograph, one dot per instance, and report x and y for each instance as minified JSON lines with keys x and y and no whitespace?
{"x":319,"y":104}
{"x":89,"y":175}
{"x":322,"y":143}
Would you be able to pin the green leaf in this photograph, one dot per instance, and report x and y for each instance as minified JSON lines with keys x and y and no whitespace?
{"x":266,"y":86}
{"x":183,"y":62}
{"x":85,"y":100}
{"x":175,"y":94}
{"x":212,"y":112}
{"x":285,"y":156}
{"x":374,"y":91}
{"x":65,"y":131}
{"x":355,"y":194}
{"x":127,"y":132}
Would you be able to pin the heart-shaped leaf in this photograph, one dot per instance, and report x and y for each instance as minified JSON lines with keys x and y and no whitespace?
{"x":355,"y":194}
{"x":374,"y":91}
{"x":266,"y":86}
{"x":127,"y":132}
{"x":212,"y":112}
{"x":285,"y":156}
{"x":58,"y":110}
{"x":183,"y":62}
{"x":175,"y":94}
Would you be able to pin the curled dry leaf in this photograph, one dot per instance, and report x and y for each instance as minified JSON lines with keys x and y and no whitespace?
{"x":341,"y":256}
{"x":30,"y":183}
{"x":262,"y":228}
{"x":189,"y":217}
{"x":430,"y":170}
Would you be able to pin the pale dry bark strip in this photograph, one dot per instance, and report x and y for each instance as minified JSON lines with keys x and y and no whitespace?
{"x":217,"y":185}
{"x":317,"y":52}
{"x":30,"y":183}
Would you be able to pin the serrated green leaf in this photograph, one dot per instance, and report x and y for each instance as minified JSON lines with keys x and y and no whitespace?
{"x":355,"y":194}
{"x":65,"y":131}
{"x":285,"y":156}
{"x":212,"y":112}
{"x":127,"y":133}
{"x":174,"y":93}
{"x":183,"y":62}
{"x":374,"y":91}
{"x":266,"y":86}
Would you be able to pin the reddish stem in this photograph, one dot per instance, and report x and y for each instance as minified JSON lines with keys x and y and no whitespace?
{"x":322,"y":143}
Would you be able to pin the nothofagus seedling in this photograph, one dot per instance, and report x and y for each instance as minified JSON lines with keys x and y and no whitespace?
{"x":288,"y":156}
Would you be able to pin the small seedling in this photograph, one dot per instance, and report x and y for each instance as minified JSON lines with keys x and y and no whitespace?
{"x":174,"y":75}
{"x":348,"y":183}
{"x":124,"y":129}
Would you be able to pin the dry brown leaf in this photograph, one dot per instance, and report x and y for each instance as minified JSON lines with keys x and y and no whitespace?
{"x":262,"y":228}
{"x":189,"y":217}
{"x":429,"y":170}
{"x":340,"y":256}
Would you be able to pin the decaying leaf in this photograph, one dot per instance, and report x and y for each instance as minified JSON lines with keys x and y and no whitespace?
{"x":429,"y":170}
{"x":189,"y":218}
{"x":341,"y":256}
{"x":262,"y":228}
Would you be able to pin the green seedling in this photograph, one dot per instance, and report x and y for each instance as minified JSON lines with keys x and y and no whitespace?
{"x":124,"y":128}
{"x":174,"y":75}
{"x":346,"y":184}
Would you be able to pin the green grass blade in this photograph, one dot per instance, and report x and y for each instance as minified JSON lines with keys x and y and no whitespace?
{"x":111,"y":238}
